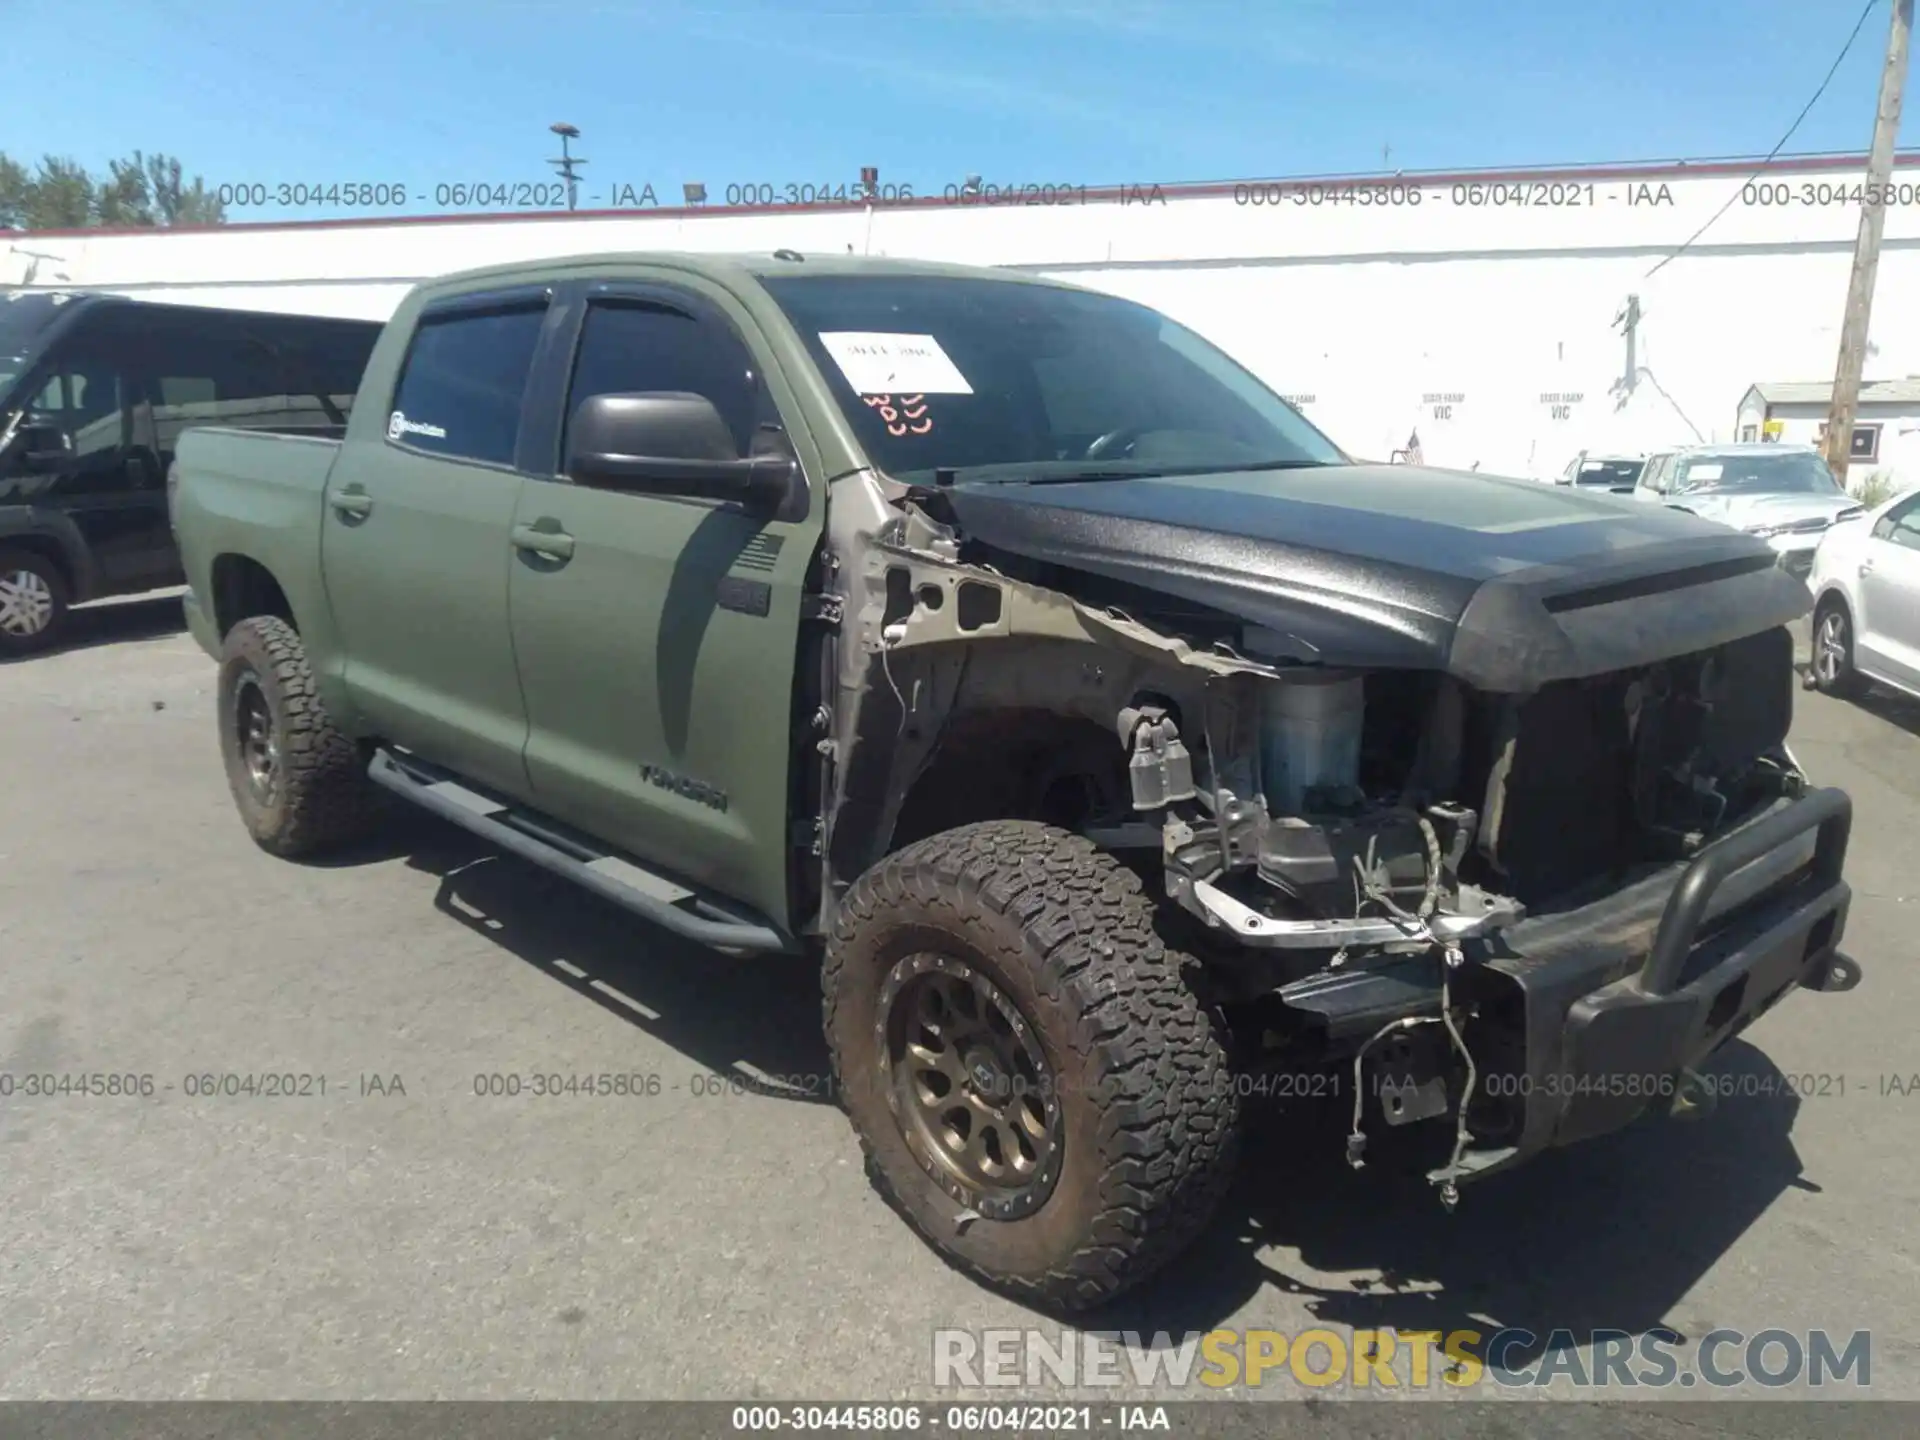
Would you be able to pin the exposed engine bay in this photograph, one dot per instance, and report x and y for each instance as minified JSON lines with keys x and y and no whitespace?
{"x":1352,"y":840}
{"x":1344,"y":809}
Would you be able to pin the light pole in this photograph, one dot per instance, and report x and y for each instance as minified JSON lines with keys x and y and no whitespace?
{"x":565,"y":164}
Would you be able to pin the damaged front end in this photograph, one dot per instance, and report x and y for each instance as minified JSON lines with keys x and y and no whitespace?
{"x":1526,"y":906}
{"x":1533,"y":914}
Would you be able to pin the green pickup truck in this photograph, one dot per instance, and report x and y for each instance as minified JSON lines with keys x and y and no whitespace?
{"x":1121,"y":749}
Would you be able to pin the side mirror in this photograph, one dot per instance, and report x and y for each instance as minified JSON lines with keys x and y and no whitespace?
{"x":42,"y":445}
{"x":670,"y":443}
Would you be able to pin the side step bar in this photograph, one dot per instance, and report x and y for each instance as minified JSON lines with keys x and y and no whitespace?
{"x":651,"y":896}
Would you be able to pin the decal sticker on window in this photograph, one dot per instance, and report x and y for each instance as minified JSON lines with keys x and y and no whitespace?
{"x":1704,"y":472}
{"x":878,"y":363}
{"x":399,"y":427}
{"x":908,"y":417}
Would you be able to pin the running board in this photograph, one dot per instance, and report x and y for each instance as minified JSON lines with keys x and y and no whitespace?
{"x":632,"y":887}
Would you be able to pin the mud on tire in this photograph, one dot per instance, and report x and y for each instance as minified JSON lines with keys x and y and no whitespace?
{"x":1147,"y":1116}
{"x":300,"y":785}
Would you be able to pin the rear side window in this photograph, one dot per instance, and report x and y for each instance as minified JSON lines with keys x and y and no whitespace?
{"x":253,"y":371}
{"x":465,"y":375}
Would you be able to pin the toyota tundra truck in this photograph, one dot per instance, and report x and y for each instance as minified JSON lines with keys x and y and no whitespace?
{"x":1116,"y":745}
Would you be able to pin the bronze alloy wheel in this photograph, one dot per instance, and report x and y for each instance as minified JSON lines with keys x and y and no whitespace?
{"x":1039,"y":1088}
{"x":970,"y":1086}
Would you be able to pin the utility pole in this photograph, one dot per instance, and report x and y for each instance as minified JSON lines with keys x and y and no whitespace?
{"x":567,"y":161}
{"x":1866,"y":250}
{"x":1627,"y":322}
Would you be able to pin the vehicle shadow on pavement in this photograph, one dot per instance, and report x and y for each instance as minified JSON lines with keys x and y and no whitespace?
{"x":1608,"y":1235}
{"x":685,"y":995}
{"x":1611,"y":1234}
{"x":1892,"y":707}
{"x":117,"y":622}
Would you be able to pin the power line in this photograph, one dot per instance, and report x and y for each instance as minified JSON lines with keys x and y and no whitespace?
{"x":1831,"y":72}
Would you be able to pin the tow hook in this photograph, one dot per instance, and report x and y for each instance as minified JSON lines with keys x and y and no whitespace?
{"x":1693,"y":1097}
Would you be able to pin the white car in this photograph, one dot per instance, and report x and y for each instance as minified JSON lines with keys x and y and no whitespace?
{"x":1784,"y":494}
{"x":1602,"y":471}
{"x":1866,"y":609}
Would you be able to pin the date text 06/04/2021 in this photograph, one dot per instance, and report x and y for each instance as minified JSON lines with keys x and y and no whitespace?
{"x":1328,"y":1084}
{"x":1459,"y":195}
{"x":953,"y":1419}
{"x":1274,"y":194}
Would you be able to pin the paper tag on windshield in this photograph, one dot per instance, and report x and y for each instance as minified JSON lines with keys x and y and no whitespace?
{"x":878,"y":363}
{"x":1704,"y":472}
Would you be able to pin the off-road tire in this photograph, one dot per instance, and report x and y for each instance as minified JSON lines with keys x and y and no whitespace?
{"x":323,"y":799}
{"x":1150,"y":1115}
{"x":50,"y":575}
{"x":1845,"y":683}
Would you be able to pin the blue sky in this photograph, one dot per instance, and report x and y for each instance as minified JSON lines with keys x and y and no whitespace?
{"x":429,"y":92}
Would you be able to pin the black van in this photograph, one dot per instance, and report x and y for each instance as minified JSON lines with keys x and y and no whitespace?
{"x":94,"y":392}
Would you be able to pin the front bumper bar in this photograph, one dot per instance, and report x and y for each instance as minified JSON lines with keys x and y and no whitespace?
{"x":1588,"y":1025}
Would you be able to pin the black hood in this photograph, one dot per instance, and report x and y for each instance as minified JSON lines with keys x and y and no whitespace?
{"x":1507,"y":584}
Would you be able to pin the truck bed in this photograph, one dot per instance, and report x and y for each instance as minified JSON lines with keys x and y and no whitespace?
{"x":252,"y":495}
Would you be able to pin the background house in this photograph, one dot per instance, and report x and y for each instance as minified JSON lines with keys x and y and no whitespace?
{"x":1886,"y":428}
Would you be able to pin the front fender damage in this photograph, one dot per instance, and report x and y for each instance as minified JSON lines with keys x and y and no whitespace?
{"x":929,"y":638}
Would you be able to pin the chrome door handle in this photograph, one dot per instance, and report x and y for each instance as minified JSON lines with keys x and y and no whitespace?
{"x":554,"y":544}
{"x":352,"y":505}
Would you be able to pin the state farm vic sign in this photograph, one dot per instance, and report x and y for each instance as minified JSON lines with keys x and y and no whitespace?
{"x":1440,"y":403}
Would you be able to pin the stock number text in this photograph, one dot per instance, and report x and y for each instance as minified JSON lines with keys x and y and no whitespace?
{"x":347,"y":195}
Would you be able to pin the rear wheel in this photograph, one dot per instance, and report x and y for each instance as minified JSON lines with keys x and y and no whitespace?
{"x":1037,"y":1087}
{"x":1833,"y":672}
{"x":300,"y":785}
{"x":33,"y":602}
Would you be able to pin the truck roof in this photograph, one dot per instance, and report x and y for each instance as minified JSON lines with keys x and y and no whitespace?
{"x":738,"y":265}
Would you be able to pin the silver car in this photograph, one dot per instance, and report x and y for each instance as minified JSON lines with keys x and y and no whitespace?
{"x":1866,"y":609}
{"x":1785,"y":494}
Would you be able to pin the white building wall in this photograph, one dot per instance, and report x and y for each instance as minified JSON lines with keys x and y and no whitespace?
{"x":1369,"y":308}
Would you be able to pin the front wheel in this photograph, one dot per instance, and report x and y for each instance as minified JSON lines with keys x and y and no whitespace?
{"x":1036,"y":1085}
{"x":1833,"y":672}
{"x":33,"y":602}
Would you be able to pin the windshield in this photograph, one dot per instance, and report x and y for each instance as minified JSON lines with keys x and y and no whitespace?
{"x":1791,"y":473}
{"x":1006,"y":380}
{"x":23,"y":318}
{"x":1609,"y":472}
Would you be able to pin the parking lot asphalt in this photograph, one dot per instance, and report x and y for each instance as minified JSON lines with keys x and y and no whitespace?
{"x":406,"y":1234}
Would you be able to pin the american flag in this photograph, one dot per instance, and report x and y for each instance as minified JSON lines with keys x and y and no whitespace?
{"x":1413,"y":449}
